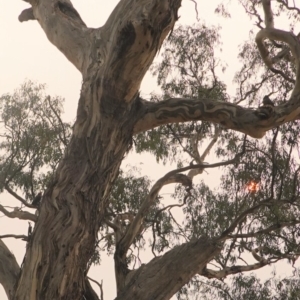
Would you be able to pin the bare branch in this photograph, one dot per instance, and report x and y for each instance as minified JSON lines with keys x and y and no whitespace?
{"x":15,"y":236}
{"x":231,"y":270}
{"x":136,"y":225}
{"x":22,"y":215}
{"x":228,"y":115}
{"x":183,"y":261}
{"x":63,"y":27}
{"x":26,"y":15}
{"x":100,"y":286}
{"x":22,"y":200}
{"x":283,"y":36}
{"x":9,"y":270}
{"x":195,"y":172}
{"x":269,"y":20}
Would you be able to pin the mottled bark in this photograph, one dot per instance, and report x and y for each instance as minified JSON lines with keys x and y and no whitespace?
{"x":113,"y":60}
{"x":9,"y":270}
{"x":164,"y":276}
{"x":254,"y":122}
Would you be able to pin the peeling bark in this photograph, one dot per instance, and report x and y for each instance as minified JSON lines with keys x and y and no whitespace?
{"x":113,"y":60}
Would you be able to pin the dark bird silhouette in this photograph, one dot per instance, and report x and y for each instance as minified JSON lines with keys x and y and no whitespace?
{"x":37,"y":199}
{"x":267,"y":101}
{"x":29,"y":229}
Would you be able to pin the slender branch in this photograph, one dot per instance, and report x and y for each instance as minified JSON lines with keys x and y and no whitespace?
{"x":231,"y":270}
{"x":22,"y":215}
{"x":195,"y":172}
{"x":22,"y":200}
{"x":15,"y":236}
{"x":111,"y":225}
{"x":276,"y":226}
{"x":135,"y":226}
{"x":100,"y":286}
{"x":243,"y":215}
{"x":171,"y":177}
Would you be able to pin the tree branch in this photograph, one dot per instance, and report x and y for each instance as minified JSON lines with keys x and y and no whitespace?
{"x":141,"y":32}
{"x":276,"y":226}
{"x":229,"y":115}
{"x":137,"y":223}
{"x":194,"y":172}
{"x":135,"y":227}
{"x":22,"y":215}
{"x":168,"y":273}
{"x":26,"y":15}
{"x":282,"y":36}
{"x":16,"y":196}
{"x":100,"y":285}
{"x":15,"y":236}
{"x":231,"y":270}
{"x":9,"y":270}
{"x":248,"y":211}
{"x":63,"y":27}
{"x":269,"y":20}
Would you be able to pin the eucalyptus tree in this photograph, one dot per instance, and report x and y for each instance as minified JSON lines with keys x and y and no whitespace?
{"x":84,"y":204}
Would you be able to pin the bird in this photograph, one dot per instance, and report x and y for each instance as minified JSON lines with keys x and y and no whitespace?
{"x":29,"y":229}
{"x":267,"y":101}
{"x":37,"y":199}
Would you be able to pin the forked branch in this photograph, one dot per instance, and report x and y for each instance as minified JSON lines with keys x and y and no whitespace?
{"x":63,"y":27}
{"x":278,"y":35}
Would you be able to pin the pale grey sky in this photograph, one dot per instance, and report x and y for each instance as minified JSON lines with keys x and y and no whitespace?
{"x":25,"y":52}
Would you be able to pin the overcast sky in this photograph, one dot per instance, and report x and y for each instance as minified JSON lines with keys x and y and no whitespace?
{"x":25,"y":52}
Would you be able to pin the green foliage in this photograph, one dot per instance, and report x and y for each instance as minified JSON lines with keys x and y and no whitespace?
{"x":259,"y":194}
{"x":32,"y":139}
{"x":189,"y":64}
{"x":188,"y":68}
{"x":243,"y":287}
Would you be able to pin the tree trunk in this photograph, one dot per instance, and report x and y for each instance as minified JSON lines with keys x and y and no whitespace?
{"x":72,"y":209}
{"x":113,"y":61}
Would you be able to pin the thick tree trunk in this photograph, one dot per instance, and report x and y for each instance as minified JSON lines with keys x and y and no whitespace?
{"x":113,"y":61}
{"x":72,"y":209}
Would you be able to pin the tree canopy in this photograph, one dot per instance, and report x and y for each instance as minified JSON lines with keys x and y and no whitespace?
{"x":204,"y":241}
